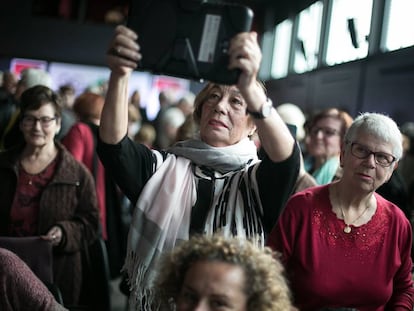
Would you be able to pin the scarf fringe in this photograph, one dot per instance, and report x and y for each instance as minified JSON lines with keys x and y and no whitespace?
{"x":142,"y":297}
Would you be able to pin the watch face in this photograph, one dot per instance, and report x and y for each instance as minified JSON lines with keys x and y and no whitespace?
{"x":267,"y":108}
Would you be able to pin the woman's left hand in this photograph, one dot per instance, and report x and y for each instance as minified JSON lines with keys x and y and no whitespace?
{"x":245,"y":54}
{"x":54,"y":235}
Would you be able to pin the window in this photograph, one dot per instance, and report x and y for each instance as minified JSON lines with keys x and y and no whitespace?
{"x":348,"y":31}
{"x":280,"y":61}
{"x":398,"y":26}
{"x":307,"y":41}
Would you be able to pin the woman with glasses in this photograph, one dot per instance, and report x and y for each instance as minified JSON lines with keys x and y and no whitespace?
{"x":211,"y":183}
{"x":45,"y":192}
{"x":325,"y":133}
{"x":343,"y":244}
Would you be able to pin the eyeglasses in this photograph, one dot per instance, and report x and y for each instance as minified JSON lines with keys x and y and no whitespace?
{"x":326,"y":131}
{"x":381,"y":158}
{"x":30,"y":121}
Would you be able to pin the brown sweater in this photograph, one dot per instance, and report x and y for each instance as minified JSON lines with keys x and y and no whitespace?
{"x":69,"y":201}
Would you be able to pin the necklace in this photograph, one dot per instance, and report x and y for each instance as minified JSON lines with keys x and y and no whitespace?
{"x":347,"y":228}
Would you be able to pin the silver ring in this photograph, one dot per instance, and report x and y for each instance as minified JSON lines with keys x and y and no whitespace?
{"x":53,"y":237}
{"x":118,"y":50}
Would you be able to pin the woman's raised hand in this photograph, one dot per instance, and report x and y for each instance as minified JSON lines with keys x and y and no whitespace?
{"x":123,"y":52}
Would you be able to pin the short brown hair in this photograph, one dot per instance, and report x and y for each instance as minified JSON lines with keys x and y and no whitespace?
{"x":88,"y":105}
{"x":37,"y":96}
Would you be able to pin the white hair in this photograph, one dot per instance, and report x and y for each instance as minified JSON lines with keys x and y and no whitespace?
{"x":173,"y":117}
{"x":380,"y":126}
{"x":34,"y":76}
{"x":292,"y":114}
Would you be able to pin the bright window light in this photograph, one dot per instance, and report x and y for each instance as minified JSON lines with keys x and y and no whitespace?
{"x":307,"y":42}
{"x":280,"y":60}
{"x":348,"y":31}
{"x":399,"y":29}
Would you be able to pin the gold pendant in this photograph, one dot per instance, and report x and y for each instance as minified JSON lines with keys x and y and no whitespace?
{"x":347,"y":229}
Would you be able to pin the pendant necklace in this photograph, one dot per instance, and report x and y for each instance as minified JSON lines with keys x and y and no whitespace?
{"x":348,"y":228}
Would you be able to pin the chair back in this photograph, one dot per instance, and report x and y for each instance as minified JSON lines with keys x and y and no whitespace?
{"x":35,"y":252}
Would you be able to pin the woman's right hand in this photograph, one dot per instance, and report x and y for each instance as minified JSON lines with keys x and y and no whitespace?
{"x":123,"y":51}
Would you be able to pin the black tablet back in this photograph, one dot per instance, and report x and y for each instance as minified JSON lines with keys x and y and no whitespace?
{"x":188,"y":38}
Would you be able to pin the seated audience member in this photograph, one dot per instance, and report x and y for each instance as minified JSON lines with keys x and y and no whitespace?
{"x":20,"y":289}
{"x":188,"y":130}
{"x":169,"y":123}
{"x":135,"y":100}
{"x":81,"y":141}
{"x":67,"y":96}
{"x":134,"y":120}
{"x":212,"y":183}
{"x":45,"y":192}
{"x":186,"y":104}
{"x":7,"y":103}
{"x":396,"y":189}
{"x":293,"y":115}
{"x":146,"y":135}
{"x":215,"y":273}
{"x":325,"y":133}
{"x":406,"y":167}
{"x":343,"y":245}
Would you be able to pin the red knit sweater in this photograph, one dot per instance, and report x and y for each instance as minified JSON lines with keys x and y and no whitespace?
{"x":367,"y":269}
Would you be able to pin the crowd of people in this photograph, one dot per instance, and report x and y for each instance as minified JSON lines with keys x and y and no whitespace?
{"x":225,"y":201}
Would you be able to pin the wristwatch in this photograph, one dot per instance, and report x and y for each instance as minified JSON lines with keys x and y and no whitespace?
{"x":264,"y":111}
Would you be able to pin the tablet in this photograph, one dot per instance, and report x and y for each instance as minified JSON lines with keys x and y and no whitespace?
{"x":188,"y":38}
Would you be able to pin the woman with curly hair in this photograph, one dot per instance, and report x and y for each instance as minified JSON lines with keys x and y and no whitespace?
{"x":217,"y":273}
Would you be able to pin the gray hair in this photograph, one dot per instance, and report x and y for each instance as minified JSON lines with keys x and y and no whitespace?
{"x":33,"y":76}
{"x":380,"y":126}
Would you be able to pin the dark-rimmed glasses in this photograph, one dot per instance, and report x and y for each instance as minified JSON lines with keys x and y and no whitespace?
{"x":30,"y":121}
{"x":381,"y":158}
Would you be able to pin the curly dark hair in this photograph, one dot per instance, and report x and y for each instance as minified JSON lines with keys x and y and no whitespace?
{"x":266,"y":288}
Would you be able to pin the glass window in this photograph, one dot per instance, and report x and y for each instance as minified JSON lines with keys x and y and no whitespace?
{"x":348,"y":31}
{"x":307,"y":41}
{"x":399,"y":24}
{"x":280,"y":60}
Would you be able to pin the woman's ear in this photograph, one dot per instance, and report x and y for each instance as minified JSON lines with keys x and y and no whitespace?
{"x":58,"y":125}
{"x":252,"y":131}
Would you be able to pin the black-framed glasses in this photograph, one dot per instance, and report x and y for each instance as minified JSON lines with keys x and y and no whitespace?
{"x":381,"y":158}
{"x":29,"y":121}
{"x":326,"y":131}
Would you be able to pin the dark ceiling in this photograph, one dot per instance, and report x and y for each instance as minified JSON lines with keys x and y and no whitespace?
{"x":77,"y":31}
{"x":115,"y":11}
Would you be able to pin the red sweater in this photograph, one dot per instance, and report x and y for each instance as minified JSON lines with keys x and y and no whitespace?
{"x":81,"y":144}
{"x":367,"y":269}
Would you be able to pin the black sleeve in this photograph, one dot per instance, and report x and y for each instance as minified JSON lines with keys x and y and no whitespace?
{"x":276,"y":182}
{"x":130,"y":165}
